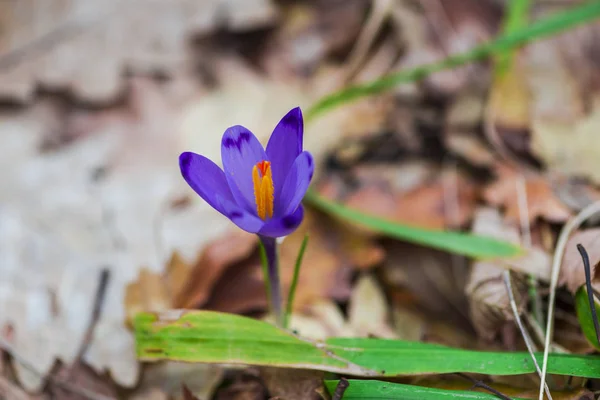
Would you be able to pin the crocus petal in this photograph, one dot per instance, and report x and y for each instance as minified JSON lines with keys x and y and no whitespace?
{"x":296,"y":184}
{"x":284,"y":146}
{"x":242,"y":218}
{"x":206,"y":178}
{"x":240,"y":151}
{"x":278,"y":227}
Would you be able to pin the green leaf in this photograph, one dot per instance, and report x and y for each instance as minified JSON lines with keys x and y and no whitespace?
{"x":584,"y":315}
{"x":545,"y":27}
{"x":454,"y":242}
{"x":212,"y":337}
{"x":375,"y":390}
{"x":515,"y":20}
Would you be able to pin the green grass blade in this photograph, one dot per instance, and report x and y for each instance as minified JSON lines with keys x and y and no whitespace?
{"x":212,"y":337}
{"x":378,"y":390}
{"x":545,"y":27}
{"x":455,"y":242}
{"x":516,"y":18}
{"x":294,"y":284}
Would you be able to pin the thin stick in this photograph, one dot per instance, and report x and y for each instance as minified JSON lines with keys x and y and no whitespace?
{"x":484,"y":386}
{"x":96,"y":311}
{"x":340,"y":389}
{"x":559,"y":252}
{"x":590,"y":289}
{"x":524,"y":333}
{"x":294,"y":283}
{"x":380,"y":10}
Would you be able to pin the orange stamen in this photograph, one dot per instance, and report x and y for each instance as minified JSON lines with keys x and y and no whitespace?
{"x":263,"y":189}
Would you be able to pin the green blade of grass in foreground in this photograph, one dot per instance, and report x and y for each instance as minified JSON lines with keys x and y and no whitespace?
{"x":545,"y":27}
{"x":378,"y":390}
{"x":454,"y":242}
{"x":212,"y":337}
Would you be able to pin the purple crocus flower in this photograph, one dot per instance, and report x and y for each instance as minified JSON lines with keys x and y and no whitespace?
{"x":259,"y":190}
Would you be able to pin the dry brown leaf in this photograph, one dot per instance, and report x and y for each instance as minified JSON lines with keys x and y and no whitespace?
{"x":215,"y":258}
{"x":84,"y":47}
{"x":368,"y":315}
{"x":246,"y":385}
{"x":465,"y":111}
{"x":332,"y":254}
{"x":425,"y":289}
{"x":82,"y":377}
{"x":400,"y":195}
{"x":154,"y":292}
{"x":489,"y":303}
{"x":293,"y":384}
{"x":103,"y":205}
{"x":535,"y":261}
{"x":566,"y":102}
{"x":470,"y":147}
{"x":368,"y":310}
{"x":541,"y":201}
{"x":572,"y":274}
{"x":508,"y":109}
{"x":329,"y":258}
{"x":429,"y":279}
{"x":167,"y":378}
{"x":311,"y":32}
{"x":442,"y":29}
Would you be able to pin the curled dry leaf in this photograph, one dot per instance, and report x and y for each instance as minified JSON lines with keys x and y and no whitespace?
{"x":489,"y":303}
{"x":541,"y":200}
{"x":535,"y":261}
{"x":216,"y":257}
{"x":572,"y":274}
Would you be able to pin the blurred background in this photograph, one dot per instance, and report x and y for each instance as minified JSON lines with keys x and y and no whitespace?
{"x":98,"y":99}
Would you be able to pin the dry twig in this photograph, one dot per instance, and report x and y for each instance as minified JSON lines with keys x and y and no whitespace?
{"x":524,"y":333}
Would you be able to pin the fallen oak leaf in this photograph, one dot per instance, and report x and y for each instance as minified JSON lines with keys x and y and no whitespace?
{"x":541,"y":200}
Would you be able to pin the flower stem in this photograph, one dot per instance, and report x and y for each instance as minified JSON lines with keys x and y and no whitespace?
{"x":272,"y":278}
